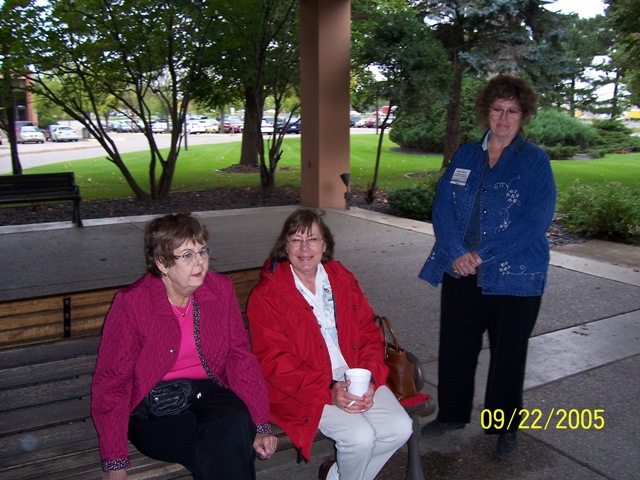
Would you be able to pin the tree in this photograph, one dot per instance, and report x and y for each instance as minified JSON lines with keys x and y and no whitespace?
{"x":624,"y":16}
{"x":13,"y":70}
{"x":256,"y":56}
{"x":483,"y":37}
{"x":107,"y":56}
{"x":405,"y":53}
{"x":565,"y":59}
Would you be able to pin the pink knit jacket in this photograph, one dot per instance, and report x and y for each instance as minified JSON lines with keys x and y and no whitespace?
{"x":141,"y":341}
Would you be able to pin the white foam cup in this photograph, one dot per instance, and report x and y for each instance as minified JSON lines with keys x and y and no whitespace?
{"x":360,"y":380}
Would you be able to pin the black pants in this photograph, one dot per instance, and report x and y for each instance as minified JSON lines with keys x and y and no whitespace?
{"x":466,"y":314}
{"x":213,"y":438}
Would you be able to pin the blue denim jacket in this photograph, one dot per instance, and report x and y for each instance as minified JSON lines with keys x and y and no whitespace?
{"x":517,"y":203}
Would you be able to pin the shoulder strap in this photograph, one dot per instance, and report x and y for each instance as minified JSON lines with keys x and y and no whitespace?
{"x":385,"y":324}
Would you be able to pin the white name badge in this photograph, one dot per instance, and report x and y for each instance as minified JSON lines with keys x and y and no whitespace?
{"x":460,"y":176}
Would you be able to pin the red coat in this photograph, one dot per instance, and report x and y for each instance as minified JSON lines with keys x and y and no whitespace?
{"x":141,"y":341}
{"x":292,"y":353}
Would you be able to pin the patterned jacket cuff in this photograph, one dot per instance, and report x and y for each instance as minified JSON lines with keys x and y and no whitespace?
{"x":116,"y":464}
{"x":264,"y":428}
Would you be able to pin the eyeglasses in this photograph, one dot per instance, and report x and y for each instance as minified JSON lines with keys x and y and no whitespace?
{"x":297,"y":242}
{"x":189,"y":256}
{"x":512,"y":113}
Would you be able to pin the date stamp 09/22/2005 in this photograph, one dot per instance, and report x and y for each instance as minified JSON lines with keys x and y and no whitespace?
{"x":536,"y":419}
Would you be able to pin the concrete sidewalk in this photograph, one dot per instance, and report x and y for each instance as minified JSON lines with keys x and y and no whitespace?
{"x":584,"y":354}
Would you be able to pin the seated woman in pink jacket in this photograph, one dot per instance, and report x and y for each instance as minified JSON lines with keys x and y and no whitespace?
{"x":179,"y":330}
{"x":309,"y":322}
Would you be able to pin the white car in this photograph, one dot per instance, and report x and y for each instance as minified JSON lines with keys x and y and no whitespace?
{"x":30,"y":134}
{"x":266,"y":128}
{"x":64,"y":134}
{"x":195,"y":126}
{"x":159,"y":127}
{"x":211,"y":125}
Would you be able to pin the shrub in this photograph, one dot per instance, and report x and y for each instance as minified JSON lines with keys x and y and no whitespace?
{"x":422,"y":132}
{"x":416,"y":203}
{"x":561,"y":152}
{"x":554,"y":131}
{"x":608,"y":211}
{"x":425,"y":131}
{"x":613,"y":137}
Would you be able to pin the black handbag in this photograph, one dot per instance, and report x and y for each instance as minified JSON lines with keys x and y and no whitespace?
{"x":169,"y":398}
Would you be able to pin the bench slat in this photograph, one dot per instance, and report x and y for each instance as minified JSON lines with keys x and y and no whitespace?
{"x":48,"y":352}
{"x":32,"y":447}
{"x":30,"y":396}
{"x":50,"y":371}
{"x":42,"y":416}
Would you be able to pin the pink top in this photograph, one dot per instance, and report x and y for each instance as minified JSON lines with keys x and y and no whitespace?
{"x":188,"y":364}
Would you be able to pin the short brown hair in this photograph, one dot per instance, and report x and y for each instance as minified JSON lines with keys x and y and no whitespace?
{"x":163,"y":235}
{"x":506,"y":87}
{"x":302,"y":220}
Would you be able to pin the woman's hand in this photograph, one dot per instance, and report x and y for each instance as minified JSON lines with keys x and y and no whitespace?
{"x":115,"y":475}
{"x":351,"y":403}
{"x":466,"y":264}
{"x":265,"y":445}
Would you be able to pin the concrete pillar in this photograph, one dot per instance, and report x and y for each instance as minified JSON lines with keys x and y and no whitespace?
{"x":325,"y":58}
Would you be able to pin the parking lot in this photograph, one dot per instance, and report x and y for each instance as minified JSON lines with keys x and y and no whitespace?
{"x":33,"y":155}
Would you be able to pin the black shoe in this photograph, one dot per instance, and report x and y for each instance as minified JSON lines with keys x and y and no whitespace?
{"x":435,"y":428}
{"x":323,"y":472}
{"x":507,"y":445}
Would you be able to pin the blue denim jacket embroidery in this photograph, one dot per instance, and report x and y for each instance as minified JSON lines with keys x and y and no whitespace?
{"x":517,"y":203}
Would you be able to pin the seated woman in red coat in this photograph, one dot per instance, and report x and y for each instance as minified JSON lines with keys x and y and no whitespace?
{"x":310,"y":322}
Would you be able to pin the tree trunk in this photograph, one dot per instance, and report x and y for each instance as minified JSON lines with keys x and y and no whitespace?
{"x":452,"y":129}
{"x":372,"y":191}
{"x":252,"y":121}
{"x":12,"y":138}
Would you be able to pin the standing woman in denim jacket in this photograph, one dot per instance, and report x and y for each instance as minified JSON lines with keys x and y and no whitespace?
{"x":492,"y":210}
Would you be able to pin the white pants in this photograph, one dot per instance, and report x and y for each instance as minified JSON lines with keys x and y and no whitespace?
{"x":365,"y":441}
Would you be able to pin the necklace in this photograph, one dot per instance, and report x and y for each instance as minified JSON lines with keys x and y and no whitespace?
{"x":181,"y":311}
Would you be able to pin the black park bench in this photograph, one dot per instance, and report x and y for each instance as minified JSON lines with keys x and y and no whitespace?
{"x":48,"y":348}
{"x":41,"y":187}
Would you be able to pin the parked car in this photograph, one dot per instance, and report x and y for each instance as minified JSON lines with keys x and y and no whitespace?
{"x":233,"y":124}
{"x":30,"y":134}
{"x":354,"y":119}
{"x":211,"y":125}
{"x":195,"y":126}
{"x":64,"y":134}
{"x":159,"y":126}
{"x":291,"y":127}
{"x":266,"y":128}
{"x":111,"y":125}
{"x":123,"y":126}
{"x":23,"y":123}
{"x":49,"y":130}
{"x":370,"y":122}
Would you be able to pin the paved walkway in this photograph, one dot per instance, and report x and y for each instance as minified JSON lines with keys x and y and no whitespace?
{"x":584,"y":354}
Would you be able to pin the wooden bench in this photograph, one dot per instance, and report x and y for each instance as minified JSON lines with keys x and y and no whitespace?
{"x":41,"y":187}
{"x":46,"y":430}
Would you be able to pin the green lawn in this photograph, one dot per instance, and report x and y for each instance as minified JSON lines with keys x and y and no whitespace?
{"x":197,"y":169}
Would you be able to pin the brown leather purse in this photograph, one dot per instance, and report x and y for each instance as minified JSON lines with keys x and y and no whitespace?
{"x":402,"y":371}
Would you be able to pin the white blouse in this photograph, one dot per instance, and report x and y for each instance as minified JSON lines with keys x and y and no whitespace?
{"x":324,"y":309}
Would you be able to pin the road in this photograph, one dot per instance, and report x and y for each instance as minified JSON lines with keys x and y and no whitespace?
{"x":34,"y":154}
